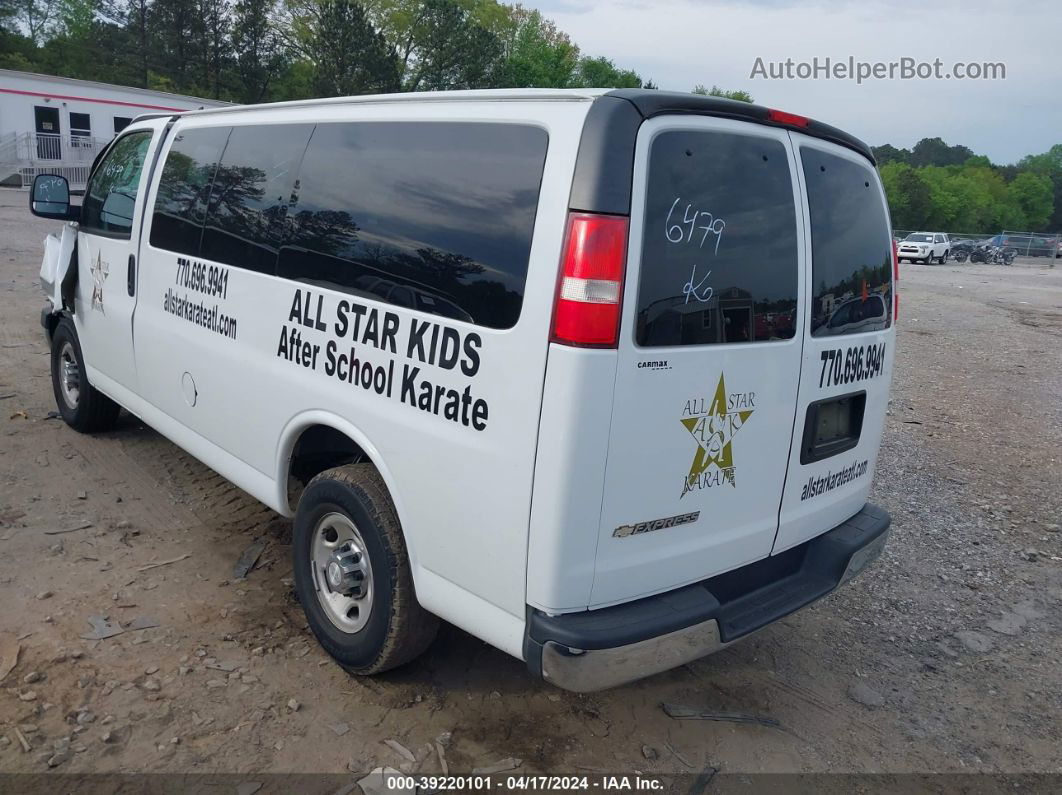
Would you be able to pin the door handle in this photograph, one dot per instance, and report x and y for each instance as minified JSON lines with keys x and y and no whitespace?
{"x":130,"y":277}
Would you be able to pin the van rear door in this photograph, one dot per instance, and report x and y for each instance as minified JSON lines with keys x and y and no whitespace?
{"x":709,"y":356}
{"x":849,"y":342}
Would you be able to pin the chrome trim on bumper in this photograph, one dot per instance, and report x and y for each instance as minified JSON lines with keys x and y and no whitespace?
{"x":599,"y":669}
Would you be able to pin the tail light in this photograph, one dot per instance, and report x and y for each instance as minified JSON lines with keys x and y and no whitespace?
{"x":895,"y":284}
{"x":789,"y":119}
{"x":586,"y":312}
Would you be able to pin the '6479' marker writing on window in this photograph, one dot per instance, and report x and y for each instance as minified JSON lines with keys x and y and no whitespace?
{"x":694,"y":220}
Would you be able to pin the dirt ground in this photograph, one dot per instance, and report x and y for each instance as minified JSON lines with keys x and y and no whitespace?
{"x":945,"y":657}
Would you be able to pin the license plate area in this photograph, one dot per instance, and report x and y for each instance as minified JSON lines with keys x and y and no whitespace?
{"x":832,"y":426}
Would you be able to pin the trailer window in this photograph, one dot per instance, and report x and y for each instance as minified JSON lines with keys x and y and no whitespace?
{"x":851,"y":248}
{"x":434,"y":216}
{"x":719,"y":246}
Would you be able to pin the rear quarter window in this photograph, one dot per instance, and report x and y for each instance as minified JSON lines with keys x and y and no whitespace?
{"x":851,"y":248}
{"x":719,"y":251}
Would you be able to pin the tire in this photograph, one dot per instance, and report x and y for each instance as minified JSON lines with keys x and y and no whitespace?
{"x":83,"y":407}
{"x":944,"y":257}
{"x":396,"y":628}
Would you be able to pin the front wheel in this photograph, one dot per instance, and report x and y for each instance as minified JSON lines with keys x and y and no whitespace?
{"x":352,"y":572}
{"x":83,"y":407}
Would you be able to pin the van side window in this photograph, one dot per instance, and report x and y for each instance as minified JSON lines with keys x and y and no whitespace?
{"x":851,"y":249}
{"x":251,"y":193}
{"x":180,"y":204}
{"x":434,"y":215}
{"x":110,"y":197}
{"x":719,"y":247}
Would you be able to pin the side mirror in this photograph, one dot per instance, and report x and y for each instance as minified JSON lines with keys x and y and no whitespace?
{"x":50,"y":198}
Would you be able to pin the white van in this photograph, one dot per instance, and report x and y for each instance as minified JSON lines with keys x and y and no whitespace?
{"x":553,"y":366}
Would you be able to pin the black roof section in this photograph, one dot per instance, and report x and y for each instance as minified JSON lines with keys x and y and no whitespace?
{"x":604,"y":169}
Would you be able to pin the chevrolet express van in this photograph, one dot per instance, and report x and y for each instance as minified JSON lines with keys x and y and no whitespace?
{"x":557,"y":367}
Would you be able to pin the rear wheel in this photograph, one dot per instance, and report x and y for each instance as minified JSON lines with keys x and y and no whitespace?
{"x":83,"y":407}
{"x":944,"y":257}
{"x":352,"y":572}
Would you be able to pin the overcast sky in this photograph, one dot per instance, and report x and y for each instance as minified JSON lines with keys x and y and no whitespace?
{"x":679,"y":43}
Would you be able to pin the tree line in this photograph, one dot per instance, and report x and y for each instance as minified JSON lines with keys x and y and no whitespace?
{"x":935,"y":186}
{"x":267,"y":50}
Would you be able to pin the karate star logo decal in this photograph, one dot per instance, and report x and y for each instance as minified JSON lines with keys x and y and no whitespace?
{"x":714,"y":431}
{"x":100,"y":272}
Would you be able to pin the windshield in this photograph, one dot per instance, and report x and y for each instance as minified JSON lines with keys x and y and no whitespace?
{"x":919,"y":238}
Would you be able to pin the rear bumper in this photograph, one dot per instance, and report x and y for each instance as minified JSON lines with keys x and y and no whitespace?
{"x":597,"y":649}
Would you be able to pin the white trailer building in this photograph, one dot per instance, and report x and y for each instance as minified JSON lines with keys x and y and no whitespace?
{"x":57,"y":124}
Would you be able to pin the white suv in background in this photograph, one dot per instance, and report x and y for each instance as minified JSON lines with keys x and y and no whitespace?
{"x":924,"y":247}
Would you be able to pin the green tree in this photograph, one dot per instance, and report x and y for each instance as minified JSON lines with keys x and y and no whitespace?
{"x":1034,"y":195}
{"x":1049,"y":164}
{"x":716,"y":91}
{"x":348,"y":56}
{"x":907,"y":193}
{"x":76,"y":18}
{"x":176,"y":47}
{"x":450,"y":50}
{"x":257,"y":49}
{"x":603,"y":73}
{"x":934,"y":152}
{"x":536,"y":53}
{"x":34,"y":18}
{"x":887,"y":153}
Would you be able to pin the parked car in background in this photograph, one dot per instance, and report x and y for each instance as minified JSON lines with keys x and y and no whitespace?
{"x":924,"y":247}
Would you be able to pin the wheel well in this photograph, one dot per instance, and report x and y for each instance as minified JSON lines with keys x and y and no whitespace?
{"x":51,"y":323}
{"x":319,"y":447}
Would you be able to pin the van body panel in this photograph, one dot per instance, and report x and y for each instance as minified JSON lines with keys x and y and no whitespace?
{"x":718,"y":507}
{"x":569,"y":477}
{"x":820,"y":494}
{"x":434,"y":464}
{"x":58,"y":257}
{"x":217,"y":458}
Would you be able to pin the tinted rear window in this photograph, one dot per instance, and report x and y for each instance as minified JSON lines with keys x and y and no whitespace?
{"x":851,"y":248}
{"x":251,"y":193}
{"x":180,"y":204}
{"x":433,"y":216}
{"x":719,"y":253}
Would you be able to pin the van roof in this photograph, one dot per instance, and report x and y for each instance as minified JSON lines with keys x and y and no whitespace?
{"x":483,"y":95}
{"x":604,"y":167}
{"x":648,"y":103}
